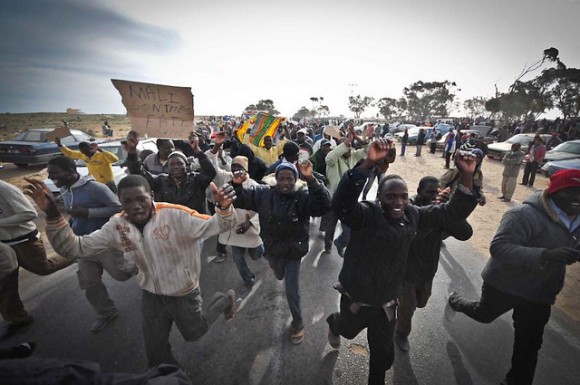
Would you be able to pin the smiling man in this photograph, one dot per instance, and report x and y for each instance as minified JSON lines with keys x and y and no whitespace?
{"x":163,"y":241}
{"x":529,"y":253}
{"x":376,"y":256}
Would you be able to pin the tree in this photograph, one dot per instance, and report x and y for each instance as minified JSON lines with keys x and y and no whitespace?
{"x":475,"y":106}
{"x":427,"y":99}
{"x":358,"y":104}
{"x":564,"y":84}
{"x":267,"y":105}
{"x":303,"y":112}
{"x":391,"y":108}
{"x":322,"y":110}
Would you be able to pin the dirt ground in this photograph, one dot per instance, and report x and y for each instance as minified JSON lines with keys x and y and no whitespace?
{"x":484,"y":219}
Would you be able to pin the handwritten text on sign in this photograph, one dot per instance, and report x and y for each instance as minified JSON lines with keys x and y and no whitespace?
{"x":157,"y":110}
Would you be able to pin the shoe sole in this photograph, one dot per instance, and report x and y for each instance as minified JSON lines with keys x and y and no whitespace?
{"x":297,"y":338}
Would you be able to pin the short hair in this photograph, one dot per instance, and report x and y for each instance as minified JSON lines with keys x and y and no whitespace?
{"x":63,"y":162}
{"x":133,"y":181}
{"x":425,"y":181}
{"x":388,"y":178}
{"x":161,"y":142}
{"x":84,"y":146}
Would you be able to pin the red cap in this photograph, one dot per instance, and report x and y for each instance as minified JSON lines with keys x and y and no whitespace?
{"x":564,"y":179}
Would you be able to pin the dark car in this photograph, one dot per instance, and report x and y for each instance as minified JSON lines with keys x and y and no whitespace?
{"x":32,"y":147}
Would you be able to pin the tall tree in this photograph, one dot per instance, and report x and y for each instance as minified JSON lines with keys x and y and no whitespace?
{"x":428,"y":99}
{"x":391,"y":108}
{"x":475,"y":106}
{"x":303,"y":112}
{"x":358,"y":104}
{"x":267,"y":105}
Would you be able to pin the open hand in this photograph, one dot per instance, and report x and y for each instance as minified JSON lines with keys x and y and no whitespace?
{"x":378,"y":150}
{"x":40,"y":194}
{"x":306,"y":168}
{"x":220,"y":138}
{"x":132,"y":142}
{"x":224,"y":196}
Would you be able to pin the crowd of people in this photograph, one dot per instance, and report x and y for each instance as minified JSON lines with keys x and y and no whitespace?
{"x":259,"y":201}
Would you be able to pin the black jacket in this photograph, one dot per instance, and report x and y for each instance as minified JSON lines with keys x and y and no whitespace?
{"x":189,"y":191}
{"x":284,"y":218}
{"x":376,"y":256}
{"x":423,"y":258}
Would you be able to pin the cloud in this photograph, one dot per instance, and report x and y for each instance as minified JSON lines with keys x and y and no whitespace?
{"x":74,"y":37}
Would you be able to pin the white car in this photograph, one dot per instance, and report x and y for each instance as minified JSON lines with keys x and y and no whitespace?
{"x":498,"y":150}
{"x":119,"y":170}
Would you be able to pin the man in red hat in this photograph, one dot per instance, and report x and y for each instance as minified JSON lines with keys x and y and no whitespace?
{"x":529,"y":253}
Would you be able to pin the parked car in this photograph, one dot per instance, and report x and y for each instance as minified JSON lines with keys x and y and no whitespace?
{"x":401,"y":127}
{"x":413,"y":134}
{"x":32,"y":147}
{"x":119,"y":170}
{"x":563,"y":151}
{"x":444,"y":128}
{"x":556,"y":165}
{"x":498,"y":150}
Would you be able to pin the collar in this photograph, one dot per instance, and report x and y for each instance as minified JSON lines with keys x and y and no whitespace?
{"x":571,"y":225}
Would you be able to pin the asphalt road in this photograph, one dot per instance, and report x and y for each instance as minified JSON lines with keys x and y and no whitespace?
{"x":254,"y":348}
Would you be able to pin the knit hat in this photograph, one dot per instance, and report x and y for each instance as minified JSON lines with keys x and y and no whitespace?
{"x":563,"y":179}
{"x":477,"y":152}
{"x":290,"y":149}
{"x":242,"y":161}
{"x":178,"y":154}
{"x":286,"y":166}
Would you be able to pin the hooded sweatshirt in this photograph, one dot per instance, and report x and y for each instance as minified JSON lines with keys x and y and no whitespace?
{"x":97,"y":197}
{"x":525,"y":232}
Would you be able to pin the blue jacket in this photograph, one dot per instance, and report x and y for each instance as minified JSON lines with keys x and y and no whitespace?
{"x":98,"y":198}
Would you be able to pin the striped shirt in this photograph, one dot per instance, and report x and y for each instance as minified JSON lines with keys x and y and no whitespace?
{"x":167,"y":253}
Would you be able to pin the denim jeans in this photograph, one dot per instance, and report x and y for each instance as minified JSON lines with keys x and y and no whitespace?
{"x":238,"y":253}
{"x":374,"y":175}
{"x":289,"y":270}
{"x":529,"y":321}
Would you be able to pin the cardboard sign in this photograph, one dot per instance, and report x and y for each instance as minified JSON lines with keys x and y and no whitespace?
{"x":157,"y":110}
{"x":61,"y":132}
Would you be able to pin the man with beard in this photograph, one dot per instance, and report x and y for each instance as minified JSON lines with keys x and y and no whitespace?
{"x":529,"y":253}
{"x":162,"y":239}
{"x":375,"y":258}
{"x":284,"y":211}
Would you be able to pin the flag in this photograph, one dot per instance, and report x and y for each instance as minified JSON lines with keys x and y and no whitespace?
{"x":264,"y":125}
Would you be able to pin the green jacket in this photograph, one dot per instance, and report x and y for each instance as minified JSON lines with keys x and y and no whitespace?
{"x":337,"y":165}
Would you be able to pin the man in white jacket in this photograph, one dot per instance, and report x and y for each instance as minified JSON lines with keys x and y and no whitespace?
{"x":162,"y":239}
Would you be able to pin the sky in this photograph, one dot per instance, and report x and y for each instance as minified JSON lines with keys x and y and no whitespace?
{"x":62,"y":54}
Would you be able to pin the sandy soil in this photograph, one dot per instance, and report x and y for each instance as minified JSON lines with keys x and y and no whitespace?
{"x":484,"y":220}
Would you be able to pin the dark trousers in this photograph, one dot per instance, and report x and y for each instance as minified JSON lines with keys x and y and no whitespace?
{"x":448,"y":159}
{"x":432,"y":147}
{"x":530,"y":173}
{"x":529,"y":321}
{"x":330,"y":227}
{"x":379,"y":335}
{"x":11,"y":307}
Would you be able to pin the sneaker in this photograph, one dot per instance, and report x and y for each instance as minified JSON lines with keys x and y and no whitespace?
{"x":339,"y":249}
{"x":220,"y":257}
{"x":402,"y":341}
{"x":501,"y":197}
{"x":297,"y":336}
{"x":506,"y":200}
{"x":23,"y":350}
{"x":249,"y":284}
{"x":449,"y":312}
{"x":230,"y":311}
{"x":101,"y":322}
{"x":14,"y":328}
{"x":333,"y":339}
